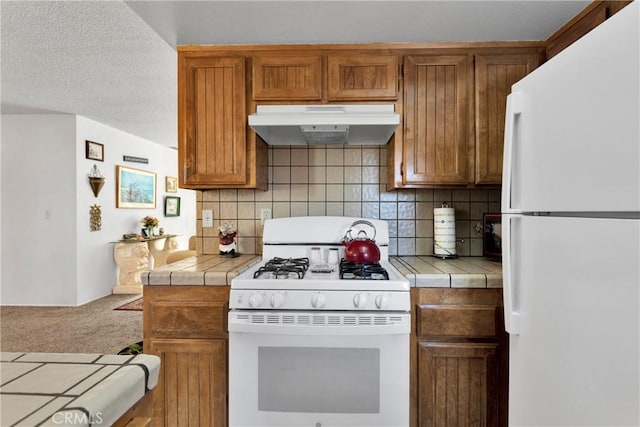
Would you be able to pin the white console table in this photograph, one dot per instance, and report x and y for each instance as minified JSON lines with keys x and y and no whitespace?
{"x":135,"y":256}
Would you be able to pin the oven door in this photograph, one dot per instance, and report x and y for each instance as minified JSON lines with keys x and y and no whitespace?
{"x":318,"y":369}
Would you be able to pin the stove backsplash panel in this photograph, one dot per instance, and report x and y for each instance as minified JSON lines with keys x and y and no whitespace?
{"x":343,"y":181}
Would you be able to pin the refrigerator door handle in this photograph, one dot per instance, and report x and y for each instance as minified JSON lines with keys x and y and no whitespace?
{"x":514,"y":109}
{"x":509,"y":285}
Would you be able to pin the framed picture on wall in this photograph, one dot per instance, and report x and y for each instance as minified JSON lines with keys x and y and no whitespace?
{"x":171,"y":206}
{"x":135,"y":188}
{"x":171,"y":184}
{"x":94,"y":150}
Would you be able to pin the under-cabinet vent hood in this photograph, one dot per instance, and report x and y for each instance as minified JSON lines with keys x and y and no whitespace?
{"x":327,"y":124}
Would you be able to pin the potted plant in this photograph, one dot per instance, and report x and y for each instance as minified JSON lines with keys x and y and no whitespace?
{"x":148,"y":224}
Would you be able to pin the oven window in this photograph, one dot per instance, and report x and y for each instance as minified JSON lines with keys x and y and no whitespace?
{"x":323,"y":380}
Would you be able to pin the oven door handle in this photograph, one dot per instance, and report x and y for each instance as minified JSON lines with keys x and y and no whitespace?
{"x":267,"y":329}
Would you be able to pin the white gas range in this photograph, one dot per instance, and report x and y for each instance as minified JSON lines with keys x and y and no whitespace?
{"x":315,"y":341}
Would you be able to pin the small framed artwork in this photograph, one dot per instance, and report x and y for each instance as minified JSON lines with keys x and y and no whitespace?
{"x":171,"y":206}
{"x":94,"y":150}
{"x":171,"y":184}
{"x":135,"y":188}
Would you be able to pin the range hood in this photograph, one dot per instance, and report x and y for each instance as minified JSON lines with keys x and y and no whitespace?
{"x":327,"y":124}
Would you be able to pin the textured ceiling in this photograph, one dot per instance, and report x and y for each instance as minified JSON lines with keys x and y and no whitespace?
{"x":95,"y":59}
{"x":115,"y":62}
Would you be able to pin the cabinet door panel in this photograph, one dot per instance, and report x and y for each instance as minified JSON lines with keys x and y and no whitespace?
{"x":287,"y":77}
{"x":192,"y":386}
{"x":494,"y":76}
{"x":362,"y":77}
{"x":471,"y":321}
{"x":212,"y":135}
{"x":436,"y":119}
{"x":187,"y":319}
{"x":457,"y":384}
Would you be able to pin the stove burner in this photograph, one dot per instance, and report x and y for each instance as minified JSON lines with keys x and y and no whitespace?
{"x":357,"y":271}
{"x":284,"y":268}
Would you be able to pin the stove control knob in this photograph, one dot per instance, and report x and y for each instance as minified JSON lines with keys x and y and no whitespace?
{"x":277,"y":300}
{"x":318,"y":301}
{"x":255,"y":300}
{"x":382,"y":301}
{"x":360,"y":300}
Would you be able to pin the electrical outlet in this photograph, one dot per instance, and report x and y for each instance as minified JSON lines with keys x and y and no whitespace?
{"x":207,"y":218}
{"x":265,"y":214}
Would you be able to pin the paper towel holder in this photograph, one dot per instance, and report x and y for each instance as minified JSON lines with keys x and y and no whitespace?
{"x":444,"y":238}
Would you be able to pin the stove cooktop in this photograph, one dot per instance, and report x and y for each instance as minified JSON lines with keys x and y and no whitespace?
{"x":285,"y":274}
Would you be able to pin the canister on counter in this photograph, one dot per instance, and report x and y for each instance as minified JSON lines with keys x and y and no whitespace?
{"x":444,"y":232}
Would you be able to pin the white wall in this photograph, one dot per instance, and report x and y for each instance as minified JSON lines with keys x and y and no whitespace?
{"x":38,"y":210}
{"x":58,"y":260}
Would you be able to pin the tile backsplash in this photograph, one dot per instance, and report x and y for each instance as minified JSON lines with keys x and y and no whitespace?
{"x":343,"y":181}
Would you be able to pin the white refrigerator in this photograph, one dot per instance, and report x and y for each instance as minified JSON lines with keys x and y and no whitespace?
{"x":571,"y":233}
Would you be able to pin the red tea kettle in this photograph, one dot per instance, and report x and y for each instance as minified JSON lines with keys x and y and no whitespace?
{"x":362,"y":249}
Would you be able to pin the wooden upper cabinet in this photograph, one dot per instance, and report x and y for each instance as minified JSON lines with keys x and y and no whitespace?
{"x":287,"y":77}
{"x":212,"y":121}
{"x":584,"y":22}
{"x":437,"y":116}
{"x":593,"y":15}
{"x":494,"y":76}
{"x":358,"y":77}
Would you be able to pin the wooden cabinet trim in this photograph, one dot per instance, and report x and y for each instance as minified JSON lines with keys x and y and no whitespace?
{"x":589,"y":18}
{"x":357,"y":48}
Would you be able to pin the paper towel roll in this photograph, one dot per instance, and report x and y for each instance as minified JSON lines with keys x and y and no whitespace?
{"x":444,"y":231}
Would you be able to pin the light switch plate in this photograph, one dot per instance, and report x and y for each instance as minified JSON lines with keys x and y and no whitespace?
{"x":207,"y":218}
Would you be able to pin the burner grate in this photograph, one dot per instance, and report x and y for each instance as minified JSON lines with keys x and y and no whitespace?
{"x":283,"y":268}
{"x":358,"y":271}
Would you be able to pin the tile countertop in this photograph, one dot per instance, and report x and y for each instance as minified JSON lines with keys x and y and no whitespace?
{"x":422,"y":271}
{"x":212,"y":270}
{"x":52,"y":389}
{"x":463,"y":272}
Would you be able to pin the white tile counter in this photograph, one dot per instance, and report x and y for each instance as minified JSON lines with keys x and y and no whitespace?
{"x":211,"y":270}
{"x":422,"y":271}
{"x":54,"y":389}
{"x":463,"y":272}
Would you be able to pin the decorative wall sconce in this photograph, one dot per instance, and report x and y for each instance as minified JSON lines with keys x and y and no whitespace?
{"x":96,"y":180}
{"x":96,"y":217}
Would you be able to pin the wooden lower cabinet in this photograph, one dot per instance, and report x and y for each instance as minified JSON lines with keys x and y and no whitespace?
{"x":457,"y":384}
{"x":186,"y":326}
{"x":459,"y":358}
{"x":192,"y":383}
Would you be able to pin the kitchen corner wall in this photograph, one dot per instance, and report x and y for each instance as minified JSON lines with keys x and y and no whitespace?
{"x":343,"y":181}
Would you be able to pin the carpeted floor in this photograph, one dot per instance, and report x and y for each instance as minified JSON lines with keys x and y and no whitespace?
{"x":91,"y":328}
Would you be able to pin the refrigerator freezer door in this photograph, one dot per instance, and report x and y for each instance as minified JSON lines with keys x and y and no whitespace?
{"x":575,"y":285}
{"x":572,"y":139}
